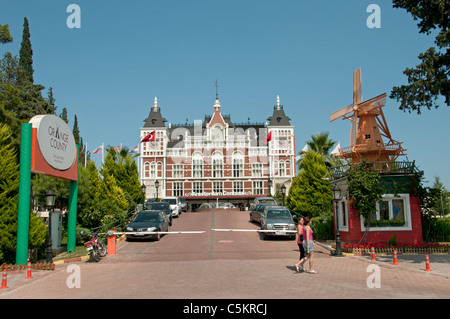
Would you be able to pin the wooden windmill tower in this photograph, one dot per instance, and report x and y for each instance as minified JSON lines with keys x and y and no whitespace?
{"x":368,"y":127}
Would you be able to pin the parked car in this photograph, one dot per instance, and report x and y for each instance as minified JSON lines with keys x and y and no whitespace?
{"x":278,"y":219}
{"x":183,"y":204}
{"x":165,"y":207}
{"x":262,"y":200}
{"x":255,"y":214}
{"x":219,"y":205}
{"x":148,"y":221}
{"x":175,"y":205}
{"x":148,"y":202}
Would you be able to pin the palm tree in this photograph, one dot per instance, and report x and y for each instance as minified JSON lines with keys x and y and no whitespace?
{"x":320,"y":144}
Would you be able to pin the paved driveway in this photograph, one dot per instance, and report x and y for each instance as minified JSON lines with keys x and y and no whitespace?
{"x":229,"y":265}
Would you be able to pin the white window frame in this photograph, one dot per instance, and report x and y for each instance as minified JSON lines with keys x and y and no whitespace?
{"x":258,"y":187}
{"x":217,"y":165}
{"x":238,"y":187}
{"x":177,"y":189}
{"x":257,"y":170}
{"x":197,"y":188}
{"x":217,"y":187}
{"x":197,"y":165}
{"x":178,"y":171}
{"x":407,"y":213}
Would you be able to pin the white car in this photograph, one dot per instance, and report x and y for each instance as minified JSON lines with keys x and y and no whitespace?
{"x":175,"y":205}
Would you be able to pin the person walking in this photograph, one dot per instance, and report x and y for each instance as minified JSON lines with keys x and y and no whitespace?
{"x":308,"y":245}
{"x":297,"y":266}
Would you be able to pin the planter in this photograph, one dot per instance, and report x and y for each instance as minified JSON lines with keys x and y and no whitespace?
{"x":422,"y":249}
{"x":397,"y":224}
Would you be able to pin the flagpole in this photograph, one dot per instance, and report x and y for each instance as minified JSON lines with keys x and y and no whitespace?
{"x":268,"y":163}
{"x":85,"y":155}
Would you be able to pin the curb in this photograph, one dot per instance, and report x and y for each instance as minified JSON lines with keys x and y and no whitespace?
{"x":65,"y":261}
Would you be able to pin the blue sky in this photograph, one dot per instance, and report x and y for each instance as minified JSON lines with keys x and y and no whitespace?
{"x":109,"y":71}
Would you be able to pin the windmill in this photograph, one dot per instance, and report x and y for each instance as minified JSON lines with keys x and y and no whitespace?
{"x":368,"y":127}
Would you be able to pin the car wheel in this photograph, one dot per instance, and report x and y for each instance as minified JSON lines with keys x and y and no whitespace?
{"x":251,"y":218}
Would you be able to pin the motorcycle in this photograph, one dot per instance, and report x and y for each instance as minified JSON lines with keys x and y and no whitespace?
{"x":96,"y":248}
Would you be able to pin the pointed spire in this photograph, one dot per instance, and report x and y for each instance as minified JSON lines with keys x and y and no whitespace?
{"x":155,"y":105}
{"x":217,"y":105}
{"x":278,"y":102}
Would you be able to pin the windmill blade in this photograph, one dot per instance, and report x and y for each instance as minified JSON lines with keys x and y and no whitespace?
{"x":357,"y":93}
{"x":353,"y":129}
{"x":341,"y":112}
{"x":376,"y":102}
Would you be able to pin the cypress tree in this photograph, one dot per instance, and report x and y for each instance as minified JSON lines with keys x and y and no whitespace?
{"x":76,"y":131}
{"x":26,"y":54}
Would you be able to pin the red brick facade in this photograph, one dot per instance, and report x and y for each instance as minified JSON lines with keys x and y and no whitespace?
{"x":217,"y":160}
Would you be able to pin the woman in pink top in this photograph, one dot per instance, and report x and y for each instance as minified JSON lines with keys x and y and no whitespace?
{"x":300,"y":243}
{"x":308,"y":245}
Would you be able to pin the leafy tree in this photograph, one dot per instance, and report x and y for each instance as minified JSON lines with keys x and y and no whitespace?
{"x":38,"y":235}
{"x":51,"y":101}
{"x":430,"y":78}
{"x":63,"y":115}
{"x":9,"y":193}
{"x":5,"y":36}
{"x":439,"y":197}
{"x":364,"y":189}
{"x":310,"y":193}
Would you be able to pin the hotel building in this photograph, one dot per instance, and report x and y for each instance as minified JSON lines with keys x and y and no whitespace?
{"x":216,"y":160}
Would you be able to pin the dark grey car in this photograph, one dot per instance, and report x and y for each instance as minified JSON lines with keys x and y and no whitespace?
{"x":161,"y":206}
{"x":148,"y":221}
{"x":278,"y":219}
{"x":255,"y":214}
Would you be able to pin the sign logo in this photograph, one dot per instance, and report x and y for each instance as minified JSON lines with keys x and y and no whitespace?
{"x":55,"y":140}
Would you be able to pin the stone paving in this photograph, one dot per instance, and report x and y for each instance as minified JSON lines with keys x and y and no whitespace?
{"x":233,"y":266}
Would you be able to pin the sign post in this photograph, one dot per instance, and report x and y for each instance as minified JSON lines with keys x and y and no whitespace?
{"x":23,"y":217}
{"x":47,"y":147}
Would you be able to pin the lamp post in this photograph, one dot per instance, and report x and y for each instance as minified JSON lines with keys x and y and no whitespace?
{"x":50,"y":203}
{"x":156,"y":186}
{"x":143,"y":188}
{"x":336,"y":197}
{"x":283,"y":191}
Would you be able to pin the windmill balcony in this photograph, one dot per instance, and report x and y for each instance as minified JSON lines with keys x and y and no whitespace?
{"x":390,"y":167}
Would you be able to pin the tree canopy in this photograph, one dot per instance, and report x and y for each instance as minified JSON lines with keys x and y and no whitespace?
{"x":429,"y":80}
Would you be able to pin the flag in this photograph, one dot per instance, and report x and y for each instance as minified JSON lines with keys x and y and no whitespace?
{"x":134,"y":150}
{"x":82,"y":150}
{"x":117,"y":148}
{"x":305,"y":149}
{"x":268,"y":138}
{"x":150,"y":137}
{"x":98,"y":150}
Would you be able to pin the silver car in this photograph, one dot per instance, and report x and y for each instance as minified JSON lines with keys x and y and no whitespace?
{"x":278,"y":219}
